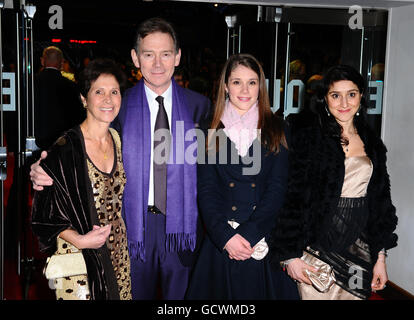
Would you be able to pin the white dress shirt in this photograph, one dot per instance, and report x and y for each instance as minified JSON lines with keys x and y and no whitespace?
{"x":153,"y":107}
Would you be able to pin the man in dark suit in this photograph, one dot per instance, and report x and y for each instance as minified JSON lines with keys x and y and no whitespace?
{"x":161,"y":213}
{"x":160,"y":198}
{"x":57,"y":102}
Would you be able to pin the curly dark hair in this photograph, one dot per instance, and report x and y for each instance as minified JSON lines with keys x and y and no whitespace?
{"x":319,"y":106}
{"x":95,"y":69}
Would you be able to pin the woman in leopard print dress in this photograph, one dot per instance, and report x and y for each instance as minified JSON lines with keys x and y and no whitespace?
{"x":82,"y":209}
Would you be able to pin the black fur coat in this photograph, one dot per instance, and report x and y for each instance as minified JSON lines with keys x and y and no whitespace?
{"x":316,"y":176}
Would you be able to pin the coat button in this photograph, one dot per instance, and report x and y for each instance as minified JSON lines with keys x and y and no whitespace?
{"x":231,"y":184}
{"x":253,"y":185}
{"x":234,"y":208}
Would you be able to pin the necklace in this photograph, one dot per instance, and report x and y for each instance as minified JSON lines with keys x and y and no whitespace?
{"x":346,"y":147}
{"x":105,"y":152}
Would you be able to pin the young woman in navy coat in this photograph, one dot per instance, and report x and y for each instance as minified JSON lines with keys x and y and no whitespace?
{"x":241,"y":188}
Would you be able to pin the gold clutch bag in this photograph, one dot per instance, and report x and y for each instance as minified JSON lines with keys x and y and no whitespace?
{"x":324,"y":278}
{"x":67,"y":261}
{"x":65,"y":265}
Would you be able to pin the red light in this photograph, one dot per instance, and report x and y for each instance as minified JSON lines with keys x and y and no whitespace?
{"x":73,"y":41}
{"x":82,"y":41}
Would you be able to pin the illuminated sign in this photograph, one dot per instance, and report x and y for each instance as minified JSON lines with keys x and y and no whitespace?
{"x":289,"y":105}
{"x":9,"y":92}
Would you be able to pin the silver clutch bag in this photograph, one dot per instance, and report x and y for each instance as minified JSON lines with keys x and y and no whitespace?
{"x":260,"y":249}
{"x":324,"y":278}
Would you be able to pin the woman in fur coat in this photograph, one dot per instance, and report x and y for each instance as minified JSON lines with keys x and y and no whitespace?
{"x":338,"y":206}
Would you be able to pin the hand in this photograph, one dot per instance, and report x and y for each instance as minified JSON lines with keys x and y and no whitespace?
{"x":38,"y":175}
{"x":380,"y":277}
{"x":95,"y":238}
{"x":238,"y":248}
{"x":296,"y":270}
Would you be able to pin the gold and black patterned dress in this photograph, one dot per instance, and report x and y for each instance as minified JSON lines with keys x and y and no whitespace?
{"x":108,"y":189}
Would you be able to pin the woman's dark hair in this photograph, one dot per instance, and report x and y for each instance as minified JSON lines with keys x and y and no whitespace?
{"x":95,"y":69}
{"x":318,"y":104}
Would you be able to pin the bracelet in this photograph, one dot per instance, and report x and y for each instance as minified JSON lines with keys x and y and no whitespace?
{"x":383,"y":252}
{"x":285,"y":263}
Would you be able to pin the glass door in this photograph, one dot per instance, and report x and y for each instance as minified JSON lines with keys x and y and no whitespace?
{"x":17,"y":245}
{"x":320,"y":38}
{"x":3,"y":165}
{"x":260,"y":33}
{"x":297,"y":45}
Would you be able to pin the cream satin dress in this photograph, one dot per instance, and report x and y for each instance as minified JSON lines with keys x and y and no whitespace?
{"x":358,"y":171}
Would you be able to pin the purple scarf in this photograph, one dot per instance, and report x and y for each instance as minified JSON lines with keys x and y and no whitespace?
{"x":182,"y":212}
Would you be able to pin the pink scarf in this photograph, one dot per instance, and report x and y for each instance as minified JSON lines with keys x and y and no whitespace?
{"x":241,"y":130}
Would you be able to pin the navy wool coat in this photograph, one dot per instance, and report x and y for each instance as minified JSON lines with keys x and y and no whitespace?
{"x":225,"y":193}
